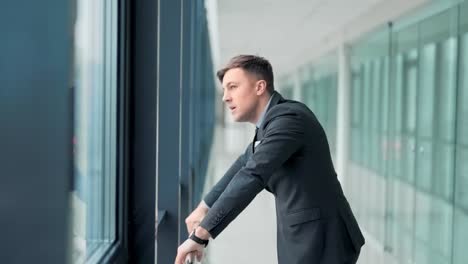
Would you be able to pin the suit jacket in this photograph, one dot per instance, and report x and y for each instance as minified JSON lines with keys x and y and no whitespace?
{"x":315,"y":223}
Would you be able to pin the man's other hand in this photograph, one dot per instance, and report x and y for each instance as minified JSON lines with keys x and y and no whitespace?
{"x":195,"y":218}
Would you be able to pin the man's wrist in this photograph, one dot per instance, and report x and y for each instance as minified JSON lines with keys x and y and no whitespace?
{"x":203,"y":206}
{"x":202,"y":233}
{"x":199,"y":239}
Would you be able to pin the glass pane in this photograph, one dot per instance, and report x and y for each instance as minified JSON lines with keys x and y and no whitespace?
{"x":367,"y":93}
{"x":398,"y":98}
{"x":462,"y":122}
{"x":433,"y":236}
{"x":333,"y":107}
{"x":460,"y":229}
{"x":384,"y":132}
{"x":375,"y":114}
{"x":422,"y":227}
{"x":441,"y":229}
{"x":461,"y":187}
{"x":426,"y":91}
{"x":408,"y":159}
{"x":355,"y":136}
{"x":309,"y":94}
{"x":403,"y":228}
{"x":379,"y":210}
{"x":356,"y":105}
{"x":460,"y":254}
{"x":424,"y":165}
{"x":444,"y":171}
{"x":396,"y":146}
{"x":410,"y":90}
{"x":447,"y":90}
{"x":94,"y":192}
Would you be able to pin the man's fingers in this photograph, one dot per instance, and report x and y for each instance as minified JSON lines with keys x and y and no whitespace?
{"x":199,"y":256}
{"x":189,"y":258}
{"x":180,"y":258}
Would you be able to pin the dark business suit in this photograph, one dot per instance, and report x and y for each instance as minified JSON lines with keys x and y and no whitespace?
{"x":315,"y":223}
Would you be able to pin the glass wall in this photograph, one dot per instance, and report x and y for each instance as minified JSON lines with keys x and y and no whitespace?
{"x":409,"y":138}
{"x":460,"y":223}
{"x":95,"y":88}
{"x":369,"y":131}
{"x":286,"y":91}
{"x":319,"y":93}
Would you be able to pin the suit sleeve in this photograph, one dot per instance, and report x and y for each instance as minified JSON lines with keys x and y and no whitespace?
{"x":283,"y":136}
{"x":220,"y":186}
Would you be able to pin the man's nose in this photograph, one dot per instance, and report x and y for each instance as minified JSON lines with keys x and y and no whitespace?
{"x":226,"y":97}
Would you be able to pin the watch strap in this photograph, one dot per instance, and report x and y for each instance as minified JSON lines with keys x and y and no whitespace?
{"x":199,"y":240}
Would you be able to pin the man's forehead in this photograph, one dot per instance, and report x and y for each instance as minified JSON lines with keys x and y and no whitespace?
{"x":235,"y":75}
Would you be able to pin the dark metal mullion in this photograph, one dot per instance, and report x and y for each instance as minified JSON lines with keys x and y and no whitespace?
{"x":184,"y":203}
{"x":168,"y":138}
{"x":191,"y":106}
{"x":195,"y":100}
{"x":142,"y":70}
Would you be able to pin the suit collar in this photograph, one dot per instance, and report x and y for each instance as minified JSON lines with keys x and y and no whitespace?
{"x":276,"y":98}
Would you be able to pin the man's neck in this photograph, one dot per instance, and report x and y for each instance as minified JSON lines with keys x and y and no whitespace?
{"x":261,"y":109}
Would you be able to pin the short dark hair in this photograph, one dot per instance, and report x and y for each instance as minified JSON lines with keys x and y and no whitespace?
{"x":256,"y":65}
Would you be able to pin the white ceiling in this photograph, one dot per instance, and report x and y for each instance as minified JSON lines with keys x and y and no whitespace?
{"x":285,"y":32}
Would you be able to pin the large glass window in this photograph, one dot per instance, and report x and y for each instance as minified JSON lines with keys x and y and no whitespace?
{"x":321,"y":97}
{"x":94,"y":192}
{"x":356,"y":104}
{"x":446,"y":115}
{"x":461,"y":171}
{"x":369,"y":132}
{"x":426,"y":107}
{"x":461,"y":194}
{"x":396,"y":120}
{"x":435,"y":151}
{"x":427,"y":90}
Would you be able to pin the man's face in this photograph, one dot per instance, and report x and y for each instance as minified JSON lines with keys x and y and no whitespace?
{"x":240,"y":95}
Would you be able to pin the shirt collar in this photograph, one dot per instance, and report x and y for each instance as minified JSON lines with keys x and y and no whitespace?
{"x":262,"y":115}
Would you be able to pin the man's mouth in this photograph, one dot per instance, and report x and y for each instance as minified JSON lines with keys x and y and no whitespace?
{"x":232,"y":108}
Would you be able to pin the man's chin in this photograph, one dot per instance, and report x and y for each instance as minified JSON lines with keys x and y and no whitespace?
{"x":237,"y":118}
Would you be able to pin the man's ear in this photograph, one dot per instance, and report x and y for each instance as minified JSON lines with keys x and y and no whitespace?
{"x":261,"y":87}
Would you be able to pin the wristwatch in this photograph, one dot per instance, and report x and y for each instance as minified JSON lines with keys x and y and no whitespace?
{"x":198,"y":240}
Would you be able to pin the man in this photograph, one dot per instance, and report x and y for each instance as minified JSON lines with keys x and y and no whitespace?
{"x":289,"y":157}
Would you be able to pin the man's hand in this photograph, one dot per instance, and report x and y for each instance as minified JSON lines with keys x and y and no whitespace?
{"x":189,"y":246}
{"x":195,"y":218}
